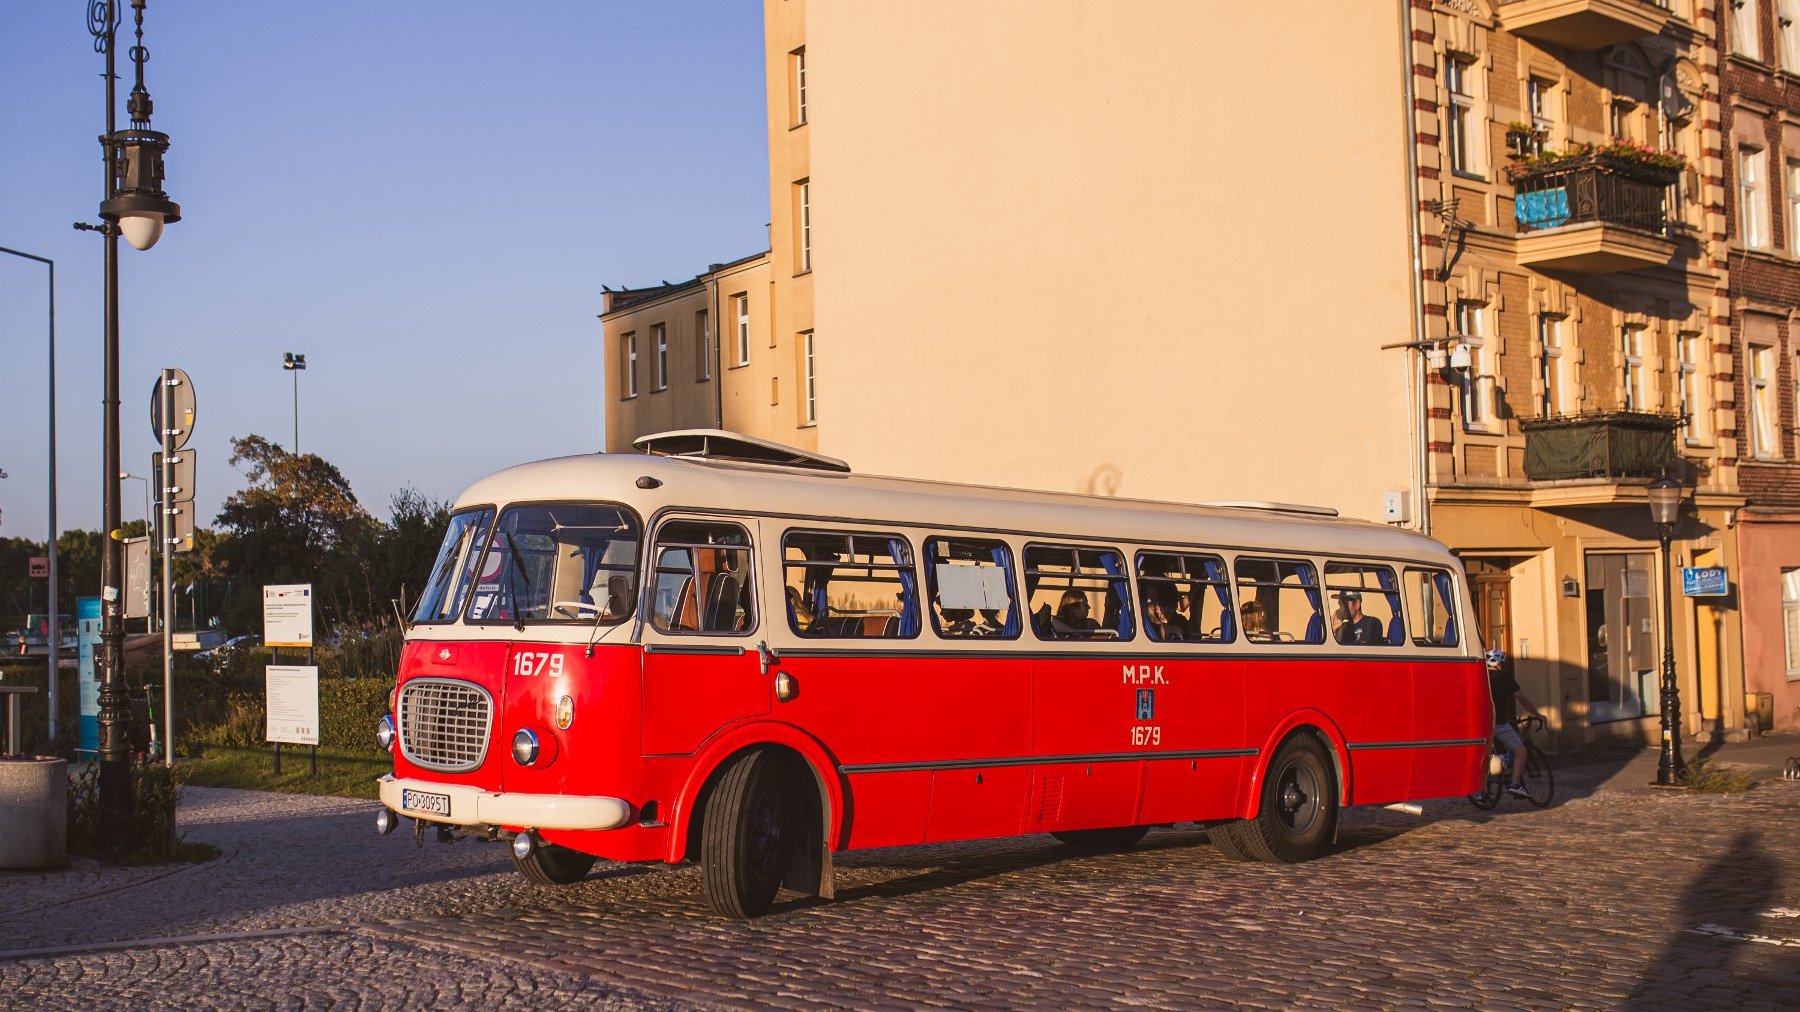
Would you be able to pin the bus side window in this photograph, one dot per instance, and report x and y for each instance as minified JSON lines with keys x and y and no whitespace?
{"x":971,"y":587}
{"x":701,"y":582}
{"x":1279,"y":600}
{"x":1365,"y":605}
{"x":1433,"y":607}
{"x":844,"y":585}
{"x":1077,"y":593}
{"x":1193,"y":594}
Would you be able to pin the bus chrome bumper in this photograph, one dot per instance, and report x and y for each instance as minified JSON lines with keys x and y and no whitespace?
{"x":456,"y":805}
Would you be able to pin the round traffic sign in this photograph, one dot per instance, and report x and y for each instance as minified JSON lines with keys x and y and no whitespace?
{"x":174,"y":384}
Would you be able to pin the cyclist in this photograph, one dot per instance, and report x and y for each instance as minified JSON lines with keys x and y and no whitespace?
{"x":1507,"y":697}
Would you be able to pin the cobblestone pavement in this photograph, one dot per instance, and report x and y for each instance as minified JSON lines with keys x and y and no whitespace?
{"x":1614,"y":897}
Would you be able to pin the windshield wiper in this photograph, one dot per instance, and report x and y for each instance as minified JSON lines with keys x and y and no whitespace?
{"x":512,"y":549}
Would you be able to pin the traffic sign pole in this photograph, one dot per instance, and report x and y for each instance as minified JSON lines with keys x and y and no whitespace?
{"x":167,"y":415}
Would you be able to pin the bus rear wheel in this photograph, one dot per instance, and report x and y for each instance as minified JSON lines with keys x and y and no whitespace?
{"x":1298,"y":813}
{"x":1100,"y":841}
{"x":548,"y":864}
{"x":747,"y":836}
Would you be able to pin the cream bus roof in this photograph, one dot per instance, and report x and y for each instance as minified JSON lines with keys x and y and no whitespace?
{"x":827,"y":496}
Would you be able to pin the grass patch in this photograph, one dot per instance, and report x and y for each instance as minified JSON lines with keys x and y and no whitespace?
{"x":342,"y":775}
{"x":1702,"y":777}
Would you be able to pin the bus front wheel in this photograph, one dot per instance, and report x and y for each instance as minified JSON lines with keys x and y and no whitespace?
{"x":549,"y":864}
{"x":747,"y":836}
{"x":1298,"y":813}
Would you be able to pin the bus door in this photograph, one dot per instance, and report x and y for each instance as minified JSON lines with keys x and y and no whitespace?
{"x":701,"y":670}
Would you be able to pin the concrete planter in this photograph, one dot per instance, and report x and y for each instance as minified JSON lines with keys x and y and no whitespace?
{"x":34,"y":812}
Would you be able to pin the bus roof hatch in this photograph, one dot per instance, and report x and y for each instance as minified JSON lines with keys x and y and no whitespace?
{"x":721,"y":444}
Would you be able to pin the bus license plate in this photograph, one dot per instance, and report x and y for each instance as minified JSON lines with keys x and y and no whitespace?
{"x":429,"y":804}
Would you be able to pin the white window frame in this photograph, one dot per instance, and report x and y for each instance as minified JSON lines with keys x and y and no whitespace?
{"x":1692,"y":384}
{"x":743,"y":328}
{"x":798,"y":59}
{"x":1793,"y":202}
{"x":1787,"y":33}
{"x":1552,"y":370}
{"x":1746,"y":39}
{"x":1631,"y":353}
{"x":1753,"y":197}
{"x":1539,"y":94}
{"x":1790,"y":619}
{"x":703,"y":324}
{"x":661,"y":332}
{"x":811,"y":390}
{"x":631,"y":389}
{"x":805,"y":186}
{"x":1763,"y":444}
{"x":1477,"y":400}
{"x":1461,"y":128}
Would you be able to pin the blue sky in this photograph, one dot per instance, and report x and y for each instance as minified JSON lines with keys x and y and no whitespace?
{"x":422,"y":199}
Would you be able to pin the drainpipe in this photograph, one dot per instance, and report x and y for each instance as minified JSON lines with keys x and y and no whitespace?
{"x":1419,"y":400}
{"x":718,"y":363}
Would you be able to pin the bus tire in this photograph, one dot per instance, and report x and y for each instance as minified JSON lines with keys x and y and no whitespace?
{"x":1298,"y":814}
{"x":1224,"y":837}
{"x":747,"y":836}
{"x":1100,"y":841}
{"x":549,"y":864}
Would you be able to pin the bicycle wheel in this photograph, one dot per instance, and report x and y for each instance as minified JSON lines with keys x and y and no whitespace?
{"x":1489,"y":795}
{"x":1540,"y":782}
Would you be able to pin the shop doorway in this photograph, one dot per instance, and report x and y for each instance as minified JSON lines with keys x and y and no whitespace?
{"x":1490,"y":581}
{"x":1621,"y":635}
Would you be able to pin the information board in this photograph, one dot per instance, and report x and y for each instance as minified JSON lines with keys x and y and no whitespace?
{"x":1704,"y":581}
{"x":292,"y":695}
{"x":287,"y":615}
{"x":87,"y":639}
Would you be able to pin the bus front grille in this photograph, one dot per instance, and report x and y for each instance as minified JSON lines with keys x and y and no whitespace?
{"x":445,"y":724}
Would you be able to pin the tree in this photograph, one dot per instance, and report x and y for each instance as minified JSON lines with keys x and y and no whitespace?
{"x":297,"y":521}
{"x":408,"y":546}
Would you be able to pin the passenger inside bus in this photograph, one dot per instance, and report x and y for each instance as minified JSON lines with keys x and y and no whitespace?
{"x":1256,"y":622}
{"x":1159,"y":625}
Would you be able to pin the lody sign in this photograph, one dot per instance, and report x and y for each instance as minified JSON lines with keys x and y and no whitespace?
{"x":1704,"y":581}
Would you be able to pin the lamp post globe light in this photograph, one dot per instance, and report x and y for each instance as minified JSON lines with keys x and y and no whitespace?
{"x":136,"y":207}
{"x":1665,"y":510}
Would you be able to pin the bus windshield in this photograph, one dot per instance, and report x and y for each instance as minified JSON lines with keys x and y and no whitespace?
{"x":559,"y":563}
{"x":454,"y":571}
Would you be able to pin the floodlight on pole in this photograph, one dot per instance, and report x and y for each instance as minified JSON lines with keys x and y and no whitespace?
{"x":295,"y":364}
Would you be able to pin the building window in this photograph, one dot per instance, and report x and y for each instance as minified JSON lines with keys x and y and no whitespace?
{"x":1790,"y":619}
{"x":1793,"y":200}
{"x":803,"y":219}
{"x":743,"y":328}
{"x":703,"y":347}
{"x":797,"y":68}
{"x":1477,"y":384}
{"x":1631,"y":352}
{"x":629,"y":344}
{"x":1753,"y":197}
{"x":661,"y":333}
{"x":1762,"y":402}
{"x":1462,"y":130}
{"x":1745,"y":39}
{"x":1539,"y":97}
{"x":811,"y":391}
{"x":1787,"y":33}
{"x":1552,"y":368}
{"x":1694,"y":402}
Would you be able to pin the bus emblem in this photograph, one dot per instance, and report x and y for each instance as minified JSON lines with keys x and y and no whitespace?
{"x":1146,"y":704}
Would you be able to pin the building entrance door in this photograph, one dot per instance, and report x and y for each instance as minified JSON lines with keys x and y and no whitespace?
{"x":1490,"y":580}
{"x":1621,"y":632}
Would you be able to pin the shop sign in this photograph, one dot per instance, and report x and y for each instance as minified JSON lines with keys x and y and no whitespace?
{"x":1704,"y":581}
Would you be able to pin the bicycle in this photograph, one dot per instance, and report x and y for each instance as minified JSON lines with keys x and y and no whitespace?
{"x":1540,"y":780}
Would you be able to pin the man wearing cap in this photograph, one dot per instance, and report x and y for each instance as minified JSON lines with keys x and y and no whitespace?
{"x":1358,"y":629}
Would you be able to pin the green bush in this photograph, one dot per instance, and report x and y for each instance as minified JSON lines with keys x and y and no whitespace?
{"x":154,"y":840}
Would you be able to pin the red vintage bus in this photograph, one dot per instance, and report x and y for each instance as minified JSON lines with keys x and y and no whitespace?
{"x":734,"y":652}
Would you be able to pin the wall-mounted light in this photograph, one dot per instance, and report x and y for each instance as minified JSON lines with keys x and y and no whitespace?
{"x":1460,"y":359}
{"x":1435,"y":358}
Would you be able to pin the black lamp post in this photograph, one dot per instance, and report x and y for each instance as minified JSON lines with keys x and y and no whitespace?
{"x":137,"y":208}
{"x":1665,"y":510}
{"x":295,"y":364}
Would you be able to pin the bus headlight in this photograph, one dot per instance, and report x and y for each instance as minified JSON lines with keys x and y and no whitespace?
{"x":525,"y":746}
{"x":385,"y":735}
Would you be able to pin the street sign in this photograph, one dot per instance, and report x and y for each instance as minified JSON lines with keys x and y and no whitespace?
{"x":178,"y":527}
{"x":287,"y":615}
{"x":292,"y":697}
{"x":39,"y":567}
{"x":181,"y":396}
{"x":181,"y":476}
{"x":137,"y":577}
{"x":1704,"y":581}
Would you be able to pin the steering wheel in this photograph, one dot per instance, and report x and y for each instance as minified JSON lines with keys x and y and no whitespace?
{"x":573,"y":609}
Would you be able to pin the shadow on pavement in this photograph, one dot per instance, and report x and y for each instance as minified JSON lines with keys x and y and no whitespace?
{"x":1726,"y":900}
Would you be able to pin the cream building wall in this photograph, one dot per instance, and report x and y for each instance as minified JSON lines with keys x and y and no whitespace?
{"x":1110,"y":248}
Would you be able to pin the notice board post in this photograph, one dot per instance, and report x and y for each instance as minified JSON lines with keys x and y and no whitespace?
{"x":291,"y":692}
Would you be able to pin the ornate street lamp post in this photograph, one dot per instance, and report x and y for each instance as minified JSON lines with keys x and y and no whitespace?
{"x":137,"y":208}
{"x":1665,"y":510}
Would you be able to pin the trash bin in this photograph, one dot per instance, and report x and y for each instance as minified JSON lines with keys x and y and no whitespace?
{"x":1759,"y":712}
{"x":34,"y":812}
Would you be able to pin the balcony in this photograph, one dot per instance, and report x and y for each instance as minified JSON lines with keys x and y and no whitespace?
{"x":1583,"y":25}
{"x":1593,"y":214}
{"x":1611,"y":445}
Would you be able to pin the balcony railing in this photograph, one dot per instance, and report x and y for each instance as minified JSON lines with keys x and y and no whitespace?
{"x":1593,"y":189}
{"x":1618,"y":444}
